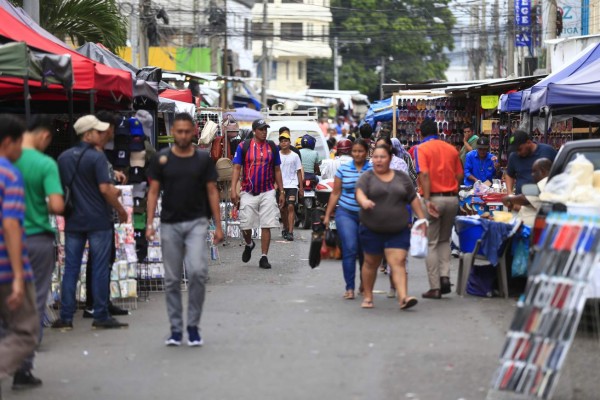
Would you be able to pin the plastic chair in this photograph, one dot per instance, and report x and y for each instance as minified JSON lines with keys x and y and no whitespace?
{"x":466,"y":262}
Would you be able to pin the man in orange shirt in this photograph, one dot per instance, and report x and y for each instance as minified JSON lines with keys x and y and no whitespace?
{"x":440,"y":173}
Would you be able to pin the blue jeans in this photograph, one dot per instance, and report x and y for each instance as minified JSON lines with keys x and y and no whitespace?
{"x":347,"y":226}
{"x":100,"y":249}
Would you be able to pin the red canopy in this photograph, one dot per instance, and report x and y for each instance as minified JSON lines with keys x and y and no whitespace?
{"x":184,"y":95}
{"x":109,"y":83}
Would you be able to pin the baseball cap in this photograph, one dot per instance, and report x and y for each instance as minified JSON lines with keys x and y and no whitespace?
{"x":284,"y":135}
{"x":135,"y":127}
{"x":137,"y":143}
{"x":89,"y":122}
{"x":122,"y":158}
{"x":517,"y":139}
{"x":483,"y":143}
{"x":259,"y":124}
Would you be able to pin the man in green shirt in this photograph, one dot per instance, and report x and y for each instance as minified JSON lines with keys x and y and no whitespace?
{"x":43,"y":195}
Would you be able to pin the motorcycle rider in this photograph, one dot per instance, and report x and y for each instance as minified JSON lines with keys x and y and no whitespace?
{"x":310,"y":158}
{"x":329,"y":167}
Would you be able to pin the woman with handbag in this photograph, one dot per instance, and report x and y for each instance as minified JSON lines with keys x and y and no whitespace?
{"x":383,"y":195}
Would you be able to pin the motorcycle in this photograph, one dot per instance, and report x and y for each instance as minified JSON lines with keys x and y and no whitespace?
{"x":306,"y":207}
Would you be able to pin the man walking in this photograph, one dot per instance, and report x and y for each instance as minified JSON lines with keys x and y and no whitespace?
{"x":480,"y":164}
{"x":523,"y":153}
{"x":440,"y":171}
{"x":19,"y":321}
{"x":257,"y":204}
{"x":291,"y":173}
{"x":188,"y":179}
{"x":84,"y":170}
{"x":42,"y":181}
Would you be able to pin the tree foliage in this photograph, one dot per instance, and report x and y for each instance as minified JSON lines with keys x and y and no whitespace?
{"x":405,"y":33}
{"x":83,"y":21}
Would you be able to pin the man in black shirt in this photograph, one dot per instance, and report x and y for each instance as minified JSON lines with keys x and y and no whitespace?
{"x":188,"y":179}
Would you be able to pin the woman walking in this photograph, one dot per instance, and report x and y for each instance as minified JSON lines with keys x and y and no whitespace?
{"x":383,"y":195}
{"x":346,"y":215}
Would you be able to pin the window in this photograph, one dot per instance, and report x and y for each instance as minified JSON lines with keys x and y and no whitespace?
{"x":247,"y":36}
{"x":258,"y":32}
{"x":300,"y":70}
{"x":273,"y":71}
{"x":325,"y":30}
{"x":310,"y":33}
{"x":291,"y":31}
{"x":287,"y":70}
{"x":292,"y":1}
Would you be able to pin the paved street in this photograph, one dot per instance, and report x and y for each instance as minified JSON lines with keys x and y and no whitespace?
{"x":288,"y":334}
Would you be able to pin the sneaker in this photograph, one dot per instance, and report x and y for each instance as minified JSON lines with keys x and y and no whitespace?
{"x":248,"y":252}
{"x":455,"y":253}
{"x":290,"y":236}
{"x":284,"y":233}
{"x":174,"y":339}
{"x":114,"y":310}
{"x":88,"y":313}
{"x":264,"y":263}
{"x":194,"y":338}
{"x":62,"y":324}
{"x":25,"y":380}
{"x":109,"y":323}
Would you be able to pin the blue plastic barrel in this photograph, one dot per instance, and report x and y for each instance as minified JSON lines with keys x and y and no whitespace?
{"x":469,"y":231}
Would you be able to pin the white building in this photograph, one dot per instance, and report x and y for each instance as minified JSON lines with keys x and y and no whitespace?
{"x":296,"y":31}
{"x":239,"y":35}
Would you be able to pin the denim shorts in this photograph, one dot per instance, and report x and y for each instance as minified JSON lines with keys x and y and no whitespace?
{"x":376,"y":243}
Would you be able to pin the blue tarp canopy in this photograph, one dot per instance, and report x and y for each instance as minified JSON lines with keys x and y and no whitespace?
{"x":245,"y":114}
{"x":380,"y":111}
{"x":511,"y":102}
{"x":539,"y":90}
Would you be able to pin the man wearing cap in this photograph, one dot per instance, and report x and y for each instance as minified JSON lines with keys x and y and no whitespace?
{"x":84,"y":172}
{"x":285,"y":129}
{"x":523,"y":153}
{"x":258,"y":207}
{"x":469,"y":140}
{"x":480,"y":164}
{"x":291,"y":174}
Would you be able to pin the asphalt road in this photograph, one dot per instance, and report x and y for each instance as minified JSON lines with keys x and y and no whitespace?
{"x":286,"y":333}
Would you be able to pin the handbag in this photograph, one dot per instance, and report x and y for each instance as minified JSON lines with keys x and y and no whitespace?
{"x":68,"y":196}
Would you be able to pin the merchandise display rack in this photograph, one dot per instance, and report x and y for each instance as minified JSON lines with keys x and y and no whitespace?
{"x":549,"y":312}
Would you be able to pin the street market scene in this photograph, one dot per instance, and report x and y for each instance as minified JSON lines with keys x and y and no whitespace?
{"x":291,"y":199}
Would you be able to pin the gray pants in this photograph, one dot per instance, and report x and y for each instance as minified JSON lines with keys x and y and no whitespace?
{"x":438,"y":233}
{"x":185,"y":242}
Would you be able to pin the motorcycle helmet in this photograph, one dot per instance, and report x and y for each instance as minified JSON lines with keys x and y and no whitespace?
{"x":344,"y":146}
{"x":298,"y":143}
{"x":308,"y":142}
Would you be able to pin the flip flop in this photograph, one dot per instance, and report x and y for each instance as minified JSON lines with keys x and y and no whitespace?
{"x":408,"y":303}
{"x":349,"y":295}
{"x":367,"y":304}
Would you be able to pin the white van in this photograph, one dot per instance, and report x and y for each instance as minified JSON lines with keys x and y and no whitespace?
{"x":300,"y":123}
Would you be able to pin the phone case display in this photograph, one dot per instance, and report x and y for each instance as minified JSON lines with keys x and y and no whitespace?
{"x":451,"y":116}
{"x":547,"y":315}
{"x":152,"y":270}
{"x":560,"y":133}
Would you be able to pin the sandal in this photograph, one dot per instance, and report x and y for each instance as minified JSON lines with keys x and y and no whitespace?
{"x":367,"y":304}
{"x":349,"y":295}
{"x":408,"y":302}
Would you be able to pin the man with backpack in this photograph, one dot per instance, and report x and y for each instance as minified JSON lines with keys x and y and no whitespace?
{"x":258,"y":206}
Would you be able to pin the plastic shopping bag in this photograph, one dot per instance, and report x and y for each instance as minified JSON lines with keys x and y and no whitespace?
{"x":418,"y":240}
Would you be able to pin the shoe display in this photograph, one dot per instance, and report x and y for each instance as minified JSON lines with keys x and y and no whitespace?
{"x":114,"y":310}
{"x":88,"y":313}
{"x":445,"y":285}
{"x":264,"y":263}
{"x":64,"y":325}
{"x":194,"y":338}
{"x":174,"y":339}
{"x":432,"y":294}
{"x":247,"y":254}
{"x":109,"y":323}
{"x":25,"y":380}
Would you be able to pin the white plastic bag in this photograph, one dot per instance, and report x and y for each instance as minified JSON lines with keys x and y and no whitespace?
{"x":418,"y":240}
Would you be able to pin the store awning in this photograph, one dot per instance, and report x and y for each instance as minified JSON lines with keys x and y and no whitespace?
{"x":184,"y":95}
{"x":510,"y":102}
{"x":496,"y":86}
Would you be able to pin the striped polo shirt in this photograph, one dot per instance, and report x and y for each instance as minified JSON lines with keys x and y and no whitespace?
{"x":258,"y":167}
{"x":12,"y":201}
{"x":349,"y":175}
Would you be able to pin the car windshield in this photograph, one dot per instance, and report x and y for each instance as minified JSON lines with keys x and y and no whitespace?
{"x":274,"y":136}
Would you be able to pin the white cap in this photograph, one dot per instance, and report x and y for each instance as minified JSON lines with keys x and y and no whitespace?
{"x":89,"y":122}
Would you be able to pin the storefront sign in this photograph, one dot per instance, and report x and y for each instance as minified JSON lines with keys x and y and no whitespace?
{"x":523,"y":12}
{"x":489,"y":102}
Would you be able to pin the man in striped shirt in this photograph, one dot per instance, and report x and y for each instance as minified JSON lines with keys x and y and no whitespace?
{"x":19,"y":322}
{"x":257,"y":202}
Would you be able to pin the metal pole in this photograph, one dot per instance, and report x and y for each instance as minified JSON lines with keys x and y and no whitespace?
{"x":144,"y":11}
{"x":32,"y":7}
{"x":134,"y":31}
{"x":225,"y":101}
{"x":382,"y":78}
{"x":265,"y":57}
{"x":551,"y":32}
{"x":394,"y":107}
{"x":336,"y":85}
{"x":510,"y":40}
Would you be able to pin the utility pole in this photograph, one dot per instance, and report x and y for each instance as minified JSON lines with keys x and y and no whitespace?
{"x":382,"y":77}
{"x":497,"y":47}
{"x":134,"y":31}
{"x":145,"y":9}
{"x":225,"y":101}
{"x":483,"y":41}
{"x":265,"y":57}
{"x":32,"y":7}
{"x":510,"y":40}
{"x":336,"y":83}
{"x":550,"y":32}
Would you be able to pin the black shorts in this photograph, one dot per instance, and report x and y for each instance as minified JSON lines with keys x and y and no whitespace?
{"x":291,"y":196}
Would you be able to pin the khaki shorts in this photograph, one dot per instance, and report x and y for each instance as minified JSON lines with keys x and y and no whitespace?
{"x":260,"y":211}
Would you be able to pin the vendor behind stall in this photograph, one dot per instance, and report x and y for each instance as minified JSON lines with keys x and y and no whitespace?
{"x":469,"y":140}
{"x":480,"y":164}
{"x":524,"y":152}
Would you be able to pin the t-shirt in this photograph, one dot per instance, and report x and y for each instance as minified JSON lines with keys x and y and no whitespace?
{"x":482,"y":170}
{"x":258,"y":167}
{"x":91,"y":212}
{"x":309,"y":159}
{"x":463,"y":151}
{"x":41,"y":177}
{"x":441,"y":161}
{"x":12,"y":204}
{"x":329,"y":167}
{"x":183,"y":181}
{"x":290,"y":165}
{"x":390,"y":214}
{"x":519,"y":168}
{"x":349,"y":175}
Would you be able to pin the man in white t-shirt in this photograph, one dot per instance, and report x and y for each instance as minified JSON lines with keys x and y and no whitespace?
{"x":291,"y":173}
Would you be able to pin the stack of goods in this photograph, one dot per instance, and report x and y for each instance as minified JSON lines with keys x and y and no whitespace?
{"x":561,"y":132}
